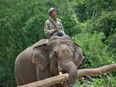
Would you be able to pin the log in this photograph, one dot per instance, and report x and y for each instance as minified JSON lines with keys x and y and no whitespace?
{"x":61,"y":78}
{"x":96,"y":71}
{"x":48,"y":82}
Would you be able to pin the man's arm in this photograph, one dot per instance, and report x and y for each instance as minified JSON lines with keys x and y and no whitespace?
{"x":47,"y":30}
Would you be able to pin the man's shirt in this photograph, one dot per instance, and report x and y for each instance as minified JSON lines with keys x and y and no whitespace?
{"x":49,"y":27}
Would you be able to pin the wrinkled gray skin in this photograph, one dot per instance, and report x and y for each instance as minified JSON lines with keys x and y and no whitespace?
{"x":45,"y":59}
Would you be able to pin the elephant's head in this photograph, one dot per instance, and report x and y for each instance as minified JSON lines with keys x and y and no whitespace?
{"x":62,"y":54}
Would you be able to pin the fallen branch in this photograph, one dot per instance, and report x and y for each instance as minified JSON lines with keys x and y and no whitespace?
{"x":96,"y":71}
{"x":61,"y":78}
{"x":47,"y":82}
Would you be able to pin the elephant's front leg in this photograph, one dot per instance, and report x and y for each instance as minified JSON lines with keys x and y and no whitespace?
{"x":43,"y":74}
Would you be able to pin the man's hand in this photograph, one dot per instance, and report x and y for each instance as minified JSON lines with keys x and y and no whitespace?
{"x":53,"y":31}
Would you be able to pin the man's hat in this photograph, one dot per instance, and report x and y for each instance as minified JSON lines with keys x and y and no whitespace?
{"x":51,"y":10}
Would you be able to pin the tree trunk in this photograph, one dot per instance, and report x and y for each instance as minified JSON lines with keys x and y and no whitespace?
{"x":81,"y":72}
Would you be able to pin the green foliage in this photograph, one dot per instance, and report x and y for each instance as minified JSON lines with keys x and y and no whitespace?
{"x":106,"y":23}
{"x":98,"y":82}
{"x":20,"y":26}
{"x":91,"y":9}
{"x":71,"y":27}
{"x":92,"y":45}
{"x":111,"y":41}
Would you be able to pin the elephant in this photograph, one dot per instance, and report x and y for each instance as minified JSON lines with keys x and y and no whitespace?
{"x":48,"y":57}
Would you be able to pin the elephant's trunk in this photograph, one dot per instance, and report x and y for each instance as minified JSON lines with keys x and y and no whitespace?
{"x":71,"y":68}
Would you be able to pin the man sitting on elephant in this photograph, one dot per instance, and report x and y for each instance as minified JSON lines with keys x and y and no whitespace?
{"x":53,"y":23}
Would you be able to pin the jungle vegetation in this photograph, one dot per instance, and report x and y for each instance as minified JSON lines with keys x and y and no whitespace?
{"x":90,"y":23}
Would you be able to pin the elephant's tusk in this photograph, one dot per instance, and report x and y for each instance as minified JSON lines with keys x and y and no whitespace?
{"x":67,"y":75}
{"x":60,"y":73}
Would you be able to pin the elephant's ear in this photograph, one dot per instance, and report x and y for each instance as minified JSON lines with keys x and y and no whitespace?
{"x":40,"y":56}
{"x":78,"y":55}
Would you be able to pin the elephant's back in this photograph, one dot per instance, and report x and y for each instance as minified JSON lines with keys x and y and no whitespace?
{"x":24,"y":56}
{"x":40,"y":42}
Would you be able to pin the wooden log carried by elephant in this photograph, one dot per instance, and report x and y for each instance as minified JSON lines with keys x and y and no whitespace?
{"x":81,"y":72}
